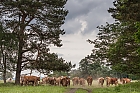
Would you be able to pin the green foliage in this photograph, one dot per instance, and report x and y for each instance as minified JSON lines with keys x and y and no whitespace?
{"x":137,"y":35}
{"x":126,"y":12}
{"x":88,"y":66}
{"x":8,"y":75}
{"x":60,"y":73}
{"x":122,"y":54}
{"x":76,"y":73}
{"x":51,"y":62}
{"x":8,"y":48}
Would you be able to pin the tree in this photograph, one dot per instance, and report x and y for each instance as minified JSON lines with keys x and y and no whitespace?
{"x":90,"y":66}
{"x":8,"y":75}
{"x":107,"y":36}
{"x":116,"y":48}
{"x":127,"y":13}
{"x":36,"y":24}
{"x":85,"y":67}
{"x":115,"y":42}
{"x":137,"y":35}
{"x":7,"y":52}
{"x":51,"y":62}
{"x":76,"y":73}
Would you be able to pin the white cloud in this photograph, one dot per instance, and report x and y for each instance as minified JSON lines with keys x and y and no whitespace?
{"x":75,"y":47}
{"x":83,"y":26}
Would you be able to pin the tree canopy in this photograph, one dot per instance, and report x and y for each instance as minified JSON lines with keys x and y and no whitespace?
{"x":90,"y":66}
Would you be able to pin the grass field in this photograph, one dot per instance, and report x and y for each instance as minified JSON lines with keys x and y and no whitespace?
{"x":127,"y":88}
{"x":10,"y":88}
{"x":95,"y":88}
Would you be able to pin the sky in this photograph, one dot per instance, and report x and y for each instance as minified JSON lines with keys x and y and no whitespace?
{"x":80,"y":25}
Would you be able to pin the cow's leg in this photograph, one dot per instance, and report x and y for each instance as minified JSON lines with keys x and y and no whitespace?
{"x":26,"y":82}
{"x":34,"y":83}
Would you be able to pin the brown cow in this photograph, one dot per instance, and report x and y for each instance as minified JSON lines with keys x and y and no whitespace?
{"x":57,"y":81}
{"x":45,"y":80}
{"x":125,"y":80}
{"x":82,"y":81}
{"x":101,"y":81}
{"x":25,"y":80}
{"x":68,"y":81}
{"x":110,"y":80}
{"x":89,"y":80}
{"x":75,"y":81}
{"x":51,"y":80}
{"x":65,"y":81}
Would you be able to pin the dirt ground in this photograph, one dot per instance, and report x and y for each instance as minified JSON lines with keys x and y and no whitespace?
{"x":73,"y":89}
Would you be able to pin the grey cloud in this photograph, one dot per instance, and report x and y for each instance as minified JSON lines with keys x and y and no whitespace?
{"x":71,"y":26}
{"x":80,"y":7}
{"x":93,"y":12}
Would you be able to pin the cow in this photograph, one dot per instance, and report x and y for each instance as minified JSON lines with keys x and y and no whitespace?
{"x":25,"y":80}
{"x":65,"y":81}
{"x":101,"y":81}
{"x":68,"y":81}
{"x":89,"y":80}
{"x":82,"y":81}
{"x":45,"y":80}
{"x":110,"y":80}
{"x":125,"y":80}
{"x":9,"y":80}
{"x":51,"y":80}
{"x":75,"y":81}
{"x":57,"y":81}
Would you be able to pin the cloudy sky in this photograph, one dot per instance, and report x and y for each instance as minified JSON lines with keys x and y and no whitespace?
{"x":80,"y":24}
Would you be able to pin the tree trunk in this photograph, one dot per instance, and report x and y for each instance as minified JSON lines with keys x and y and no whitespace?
{"x":4,"y":65}
{"x":4,"y":72}
{"x":31,"y":72}
{"x":19,"y":63}
{"x":4,"y":76}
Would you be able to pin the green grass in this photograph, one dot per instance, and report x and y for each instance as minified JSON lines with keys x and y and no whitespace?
{"x":31,"y":89}
{"x":127,"y":88}
{"x":81,"y":91}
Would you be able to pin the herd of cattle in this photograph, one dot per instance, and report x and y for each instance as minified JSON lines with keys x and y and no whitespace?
{"x":65,"y":81}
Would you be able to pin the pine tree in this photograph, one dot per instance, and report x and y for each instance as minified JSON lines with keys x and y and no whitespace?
{"x":116,"y":42}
